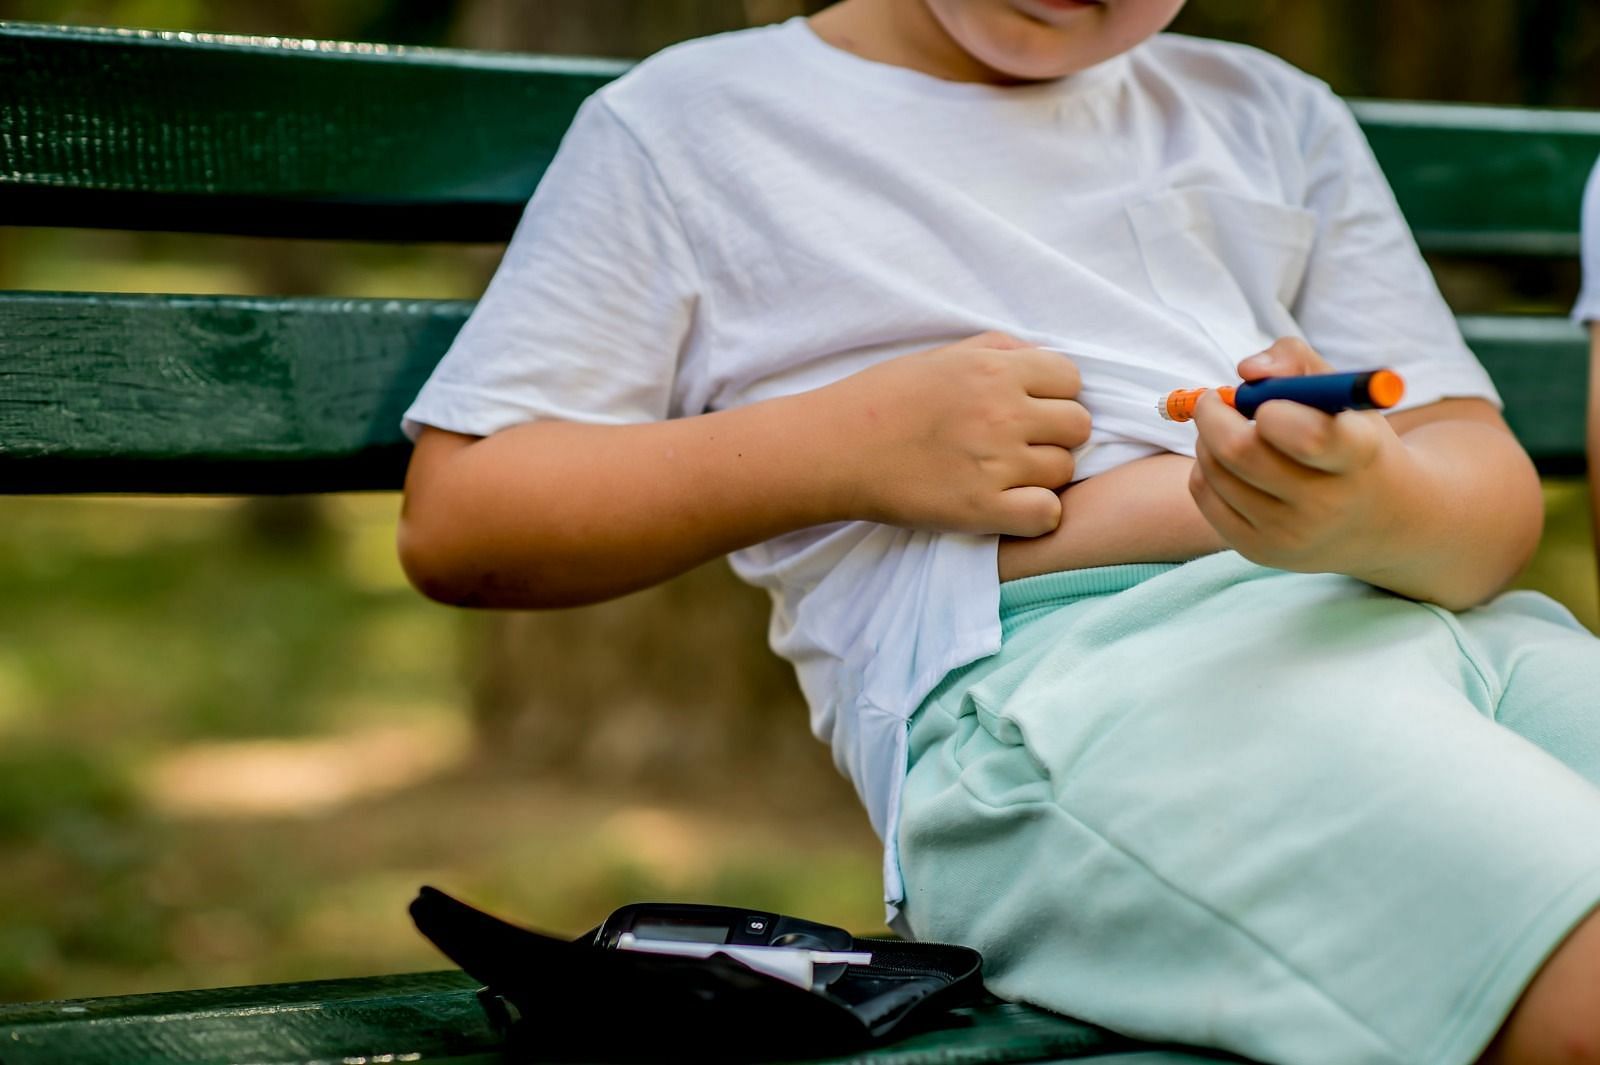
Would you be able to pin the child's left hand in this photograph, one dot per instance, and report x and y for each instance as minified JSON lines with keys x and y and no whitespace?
{"x":1296,"y":488}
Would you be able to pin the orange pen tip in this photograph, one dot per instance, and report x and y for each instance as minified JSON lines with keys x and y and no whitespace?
{"x":1385,"y":388}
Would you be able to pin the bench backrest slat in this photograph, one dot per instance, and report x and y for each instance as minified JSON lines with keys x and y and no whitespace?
{"x":131,"y":393}
{"x":1485,"y":180}
{"x":219,"y":134}
{"x":201,"y":133}
{"x":126,"y":393}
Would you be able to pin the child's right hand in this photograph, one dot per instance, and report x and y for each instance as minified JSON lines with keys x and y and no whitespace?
{"x":969,"y":437}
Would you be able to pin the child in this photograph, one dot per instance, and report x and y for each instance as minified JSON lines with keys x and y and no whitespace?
{"x":1191,"y":730}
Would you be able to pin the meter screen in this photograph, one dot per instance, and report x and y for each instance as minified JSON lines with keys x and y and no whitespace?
{"x":682,"y":931}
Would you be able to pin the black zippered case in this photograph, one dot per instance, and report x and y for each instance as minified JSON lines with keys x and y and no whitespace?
{"x":556,"y":999}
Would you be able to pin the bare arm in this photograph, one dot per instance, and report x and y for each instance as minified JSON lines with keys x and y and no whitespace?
{"x":1140,"y":511}
{"x":559,"y":513}
{"x":1144,"y":511}
{"x":1469,"y":512}
{"x":973,"y":436}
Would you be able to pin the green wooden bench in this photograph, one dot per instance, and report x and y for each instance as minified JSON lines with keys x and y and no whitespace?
{"x":245,"y":395}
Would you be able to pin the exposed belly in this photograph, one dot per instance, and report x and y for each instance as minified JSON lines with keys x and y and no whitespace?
{"x":1138,"y":512}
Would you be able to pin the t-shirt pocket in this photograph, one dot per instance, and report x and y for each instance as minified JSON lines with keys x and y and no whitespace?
{"x":1231,"y":263}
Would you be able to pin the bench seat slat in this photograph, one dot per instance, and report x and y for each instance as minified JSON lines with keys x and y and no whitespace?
{"x":231,"y":394}
{"x":431,"y":1017}
{"x":418,"y":1017}
{"x":102,"y":127}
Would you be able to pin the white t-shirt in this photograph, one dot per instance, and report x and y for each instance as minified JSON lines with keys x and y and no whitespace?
{"x":760,"y":213}
{"x":1587,"y":309}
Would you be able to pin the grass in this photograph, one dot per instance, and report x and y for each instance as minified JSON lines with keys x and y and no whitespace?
{"x":230,"y":755}
{"x":227,"y":758}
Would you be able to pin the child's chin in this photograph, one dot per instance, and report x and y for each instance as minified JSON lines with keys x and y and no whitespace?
{"x":1039,"y":70}
{"x":1044,"y":60}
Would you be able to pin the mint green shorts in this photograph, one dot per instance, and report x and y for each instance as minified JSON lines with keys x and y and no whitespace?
{"x":1286,"y":815}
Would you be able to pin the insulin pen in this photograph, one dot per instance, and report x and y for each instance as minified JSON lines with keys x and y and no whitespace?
{"x":1330,"y":392}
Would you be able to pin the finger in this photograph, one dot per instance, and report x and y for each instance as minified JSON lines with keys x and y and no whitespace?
{"x":1336,"y":443}
{"x":1253,"y":505}
{"x":1047,"y":466}
{"x":1287,"y":357}
{"x":1231,"y":441}
{"x":1254,"y":458}
{"x":1028,"y":511}
{"x":1048,"y":374}
{"x":1063,"y":422}
{"x":1229,"y":524}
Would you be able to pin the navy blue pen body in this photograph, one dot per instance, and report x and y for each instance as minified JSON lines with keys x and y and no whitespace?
{"x":1331,"y":392}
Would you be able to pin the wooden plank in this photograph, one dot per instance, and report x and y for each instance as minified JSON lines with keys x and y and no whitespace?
{"x":233,"y":394}
{"x":420,"y":1017}
{"x":1480,"y":180}
{"x":435,"y":1017}
{"x":101,"y":127}
{"x":1541,"y":367}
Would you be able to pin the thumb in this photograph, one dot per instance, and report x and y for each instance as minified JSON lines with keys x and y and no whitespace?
{"x":1029,"y":511}
{"x":1289,"y":357}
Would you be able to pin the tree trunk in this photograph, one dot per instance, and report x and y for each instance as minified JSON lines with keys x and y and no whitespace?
{"x":660,"y":687}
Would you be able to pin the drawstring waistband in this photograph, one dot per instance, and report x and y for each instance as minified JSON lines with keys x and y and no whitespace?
{"x":1028,"y":595}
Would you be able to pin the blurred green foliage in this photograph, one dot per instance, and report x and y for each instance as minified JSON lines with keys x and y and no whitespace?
{"x":147,"y":634}
{"x":45,"y":785}
{"x":177,"y":619}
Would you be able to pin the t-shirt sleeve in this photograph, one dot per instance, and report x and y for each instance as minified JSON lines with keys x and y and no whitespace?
{"x":586,"y":314}
{"x":1587,"y":309}
{"x":1368,"y":300}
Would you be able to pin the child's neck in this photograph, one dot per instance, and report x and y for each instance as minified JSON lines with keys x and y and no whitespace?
{"x":902,"y":33}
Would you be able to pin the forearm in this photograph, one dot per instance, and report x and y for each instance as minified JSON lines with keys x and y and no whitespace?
{"x":973,"y":436}
{"x":1137,"y":512}
{"x":1465,"y":515}
{"x":561,"y":513}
